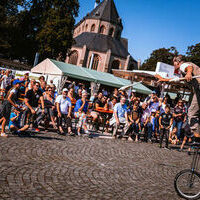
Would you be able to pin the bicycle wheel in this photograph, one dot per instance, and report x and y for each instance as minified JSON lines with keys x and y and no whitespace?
{"x":187,"y":184}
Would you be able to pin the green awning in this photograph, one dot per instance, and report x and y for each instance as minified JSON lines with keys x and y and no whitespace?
{"x":90,"y":75}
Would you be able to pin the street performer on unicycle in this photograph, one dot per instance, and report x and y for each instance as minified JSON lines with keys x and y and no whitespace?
{"x":191,"y":74}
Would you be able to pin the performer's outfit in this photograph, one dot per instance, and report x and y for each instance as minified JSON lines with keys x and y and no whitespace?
{"x":194,"y":109}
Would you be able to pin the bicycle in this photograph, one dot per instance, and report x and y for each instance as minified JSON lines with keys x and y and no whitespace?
{"x":187,"y":182}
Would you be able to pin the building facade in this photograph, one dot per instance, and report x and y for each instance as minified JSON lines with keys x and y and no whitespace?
{"x":98,"y":43}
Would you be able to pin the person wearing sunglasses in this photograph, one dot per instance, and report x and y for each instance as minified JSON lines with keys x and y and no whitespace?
{"x":34,"y":113}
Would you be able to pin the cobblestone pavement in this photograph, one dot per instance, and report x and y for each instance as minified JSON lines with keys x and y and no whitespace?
{"x":49,"y":166}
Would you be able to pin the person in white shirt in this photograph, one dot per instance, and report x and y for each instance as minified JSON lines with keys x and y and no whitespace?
{"x":64,"y":109}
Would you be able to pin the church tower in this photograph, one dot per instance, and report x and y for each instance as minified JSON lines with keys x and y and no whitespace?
{"x":98,"y":42}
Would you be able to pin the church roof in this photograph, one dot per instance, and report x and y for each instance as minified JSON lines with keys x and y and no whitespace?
{"x":105,"y":11}
{"x":101,"y":43}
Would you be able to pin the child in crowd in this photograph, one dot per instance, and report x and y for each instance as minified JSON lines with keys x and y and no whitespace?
{"x":165,"y":122}
{"x":173,"y":139}
{"x":14,"y":124}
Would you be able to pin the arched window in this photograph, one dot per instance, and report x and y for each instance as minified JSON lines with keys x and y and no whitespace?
{"x":93,"y":28}
{"x":102,"y":29}
{"x":86,"y":27}
{"x":111,"y":31}
{"x":115,"y":64}
{"x":73,"y":58}
{"x":95,"y":59}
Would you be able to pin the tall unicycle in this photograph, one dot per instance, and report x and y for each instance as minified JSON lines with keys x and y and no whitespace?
{"x":187,"y":182}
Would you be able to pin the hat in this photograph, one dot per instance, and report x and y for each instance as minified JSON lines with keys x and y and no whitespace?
{"x":133,"y":90}
{"x":65,"y":90}
{"x":17,"y":81}
{"x":153,"y":92}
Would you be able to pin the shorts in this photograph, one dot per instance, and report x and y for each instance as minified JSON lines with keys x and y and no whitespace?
{"x":5,"y":109}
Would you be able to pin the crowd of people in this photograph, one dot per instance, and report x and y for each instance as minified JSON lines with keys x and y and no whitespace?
{"x":28,"y":104}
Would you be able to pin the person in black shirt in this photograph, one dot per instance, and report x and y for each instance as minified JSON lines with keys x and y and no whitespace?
{"x":32,"y":102}
{"x":165,"y":122}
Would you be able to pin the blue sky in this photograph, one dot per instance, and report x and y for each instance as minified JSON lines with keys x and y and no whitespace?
{"x":153,"y":24}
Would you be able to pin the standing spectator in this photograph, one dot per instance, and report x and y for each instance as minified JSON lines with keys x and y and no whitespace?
{"x":6,"y":81}
{"x":11,"y":100}
{"x":34,"y":114}
{"x":64,"y":108}
{"x":79,"y":94}
{"x":25,"y":83}
{"x":116,"y":94}
{"x":179,"y":117}
{"x":165,"y":122}
{"x":80,"y":111}
{"x":163,"y":105}
{"x":112,"y":103}
{"x":150,"y":126}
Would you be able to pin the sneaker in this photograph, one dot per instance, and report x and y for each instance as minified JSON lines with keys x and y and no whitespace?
{"x":4,"y":135}
{"x":87,"y":132}
{"x":71,"y":134}
{"x":78,"y":133}
{"x":36,"y":130}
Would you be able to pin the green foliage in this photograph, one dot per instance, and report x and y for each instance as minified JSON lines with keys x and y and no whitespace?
{"x":159,"y":55}
{"x":193,"y":54}
{"x":43,"y":26}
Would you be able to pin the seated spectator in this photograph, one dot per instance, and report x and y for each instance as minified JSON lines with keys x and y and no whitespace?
{"x":165,"y":122}
{"x":71,"y":96}
{"x":50,"y":108}
{"x":179,"y":117}
{"x":95,"y":115}
{"x":134,"y":124}
{"x":11,"y":100}
{"x":120,"y":116}
{"x":173,"y":139}
{"x":34,"y":114}
{"x":112,"y":103}
{"x":80,"y":111}
{"x":64,"y":109}
{"x":15,"y":119}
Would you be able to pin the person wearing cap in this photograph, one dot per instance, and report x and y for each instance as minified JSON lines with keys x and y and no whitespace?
{"x":64,"y":109}
{"x":80,"y":112}
{"x":11,"y":100}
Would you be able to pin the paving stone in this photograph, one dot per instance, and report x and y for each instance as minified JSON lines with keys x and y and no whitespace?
{"x":50,"y":166}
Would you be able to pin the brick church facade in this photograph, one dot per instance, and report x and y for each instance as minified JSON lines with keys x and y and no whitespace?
{"x":98,"y":42}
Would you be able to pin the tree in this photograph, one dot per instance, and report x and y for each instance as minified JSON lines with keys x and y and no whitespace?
{"x":159,"y":55}
{"x":193,"y":54}
{"x":43,"y":26}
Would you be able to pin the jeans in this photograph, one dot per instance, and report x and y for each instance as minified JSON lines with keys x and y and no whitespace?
{"x":149,"y":130}
{"x":179,"y":127}
{"x":164,"y":132}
